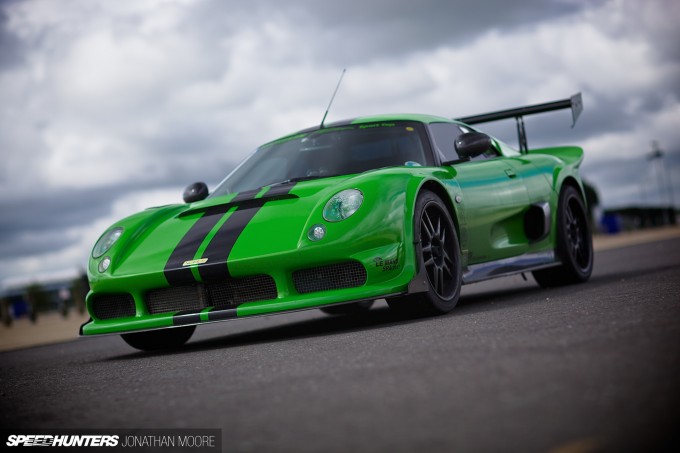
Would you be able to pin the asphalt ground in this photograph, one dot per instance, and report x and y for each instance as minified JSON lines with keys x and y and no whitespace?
{"x":591,"y":367}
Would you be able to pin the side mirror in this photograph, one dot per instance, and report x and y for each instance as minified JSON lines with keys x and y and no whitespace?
{"x":195,"y":192}
{"x":472,"y":144}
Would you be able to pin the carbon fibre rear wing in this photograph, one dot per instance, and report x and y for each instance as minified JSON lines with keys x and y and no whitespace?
{"x":575,"y":103}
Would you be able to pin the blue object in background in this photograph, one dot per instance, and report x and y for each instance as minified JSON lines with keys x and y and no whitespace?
{"x":611,"y":224}
{"x":18,"y":307}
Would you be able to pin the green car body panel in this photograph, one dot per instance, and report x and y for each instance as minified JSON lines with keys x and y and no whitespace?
{"x":265,"y":232}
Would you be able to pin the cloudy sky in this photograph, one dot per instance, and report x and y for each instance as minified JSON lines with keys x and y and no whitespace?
{"x":108,"y":107}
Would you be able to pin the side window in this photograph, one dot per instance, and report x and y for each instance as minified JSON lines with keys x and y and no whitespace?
{"x":490,"y":154}
{"x":444,"y":136}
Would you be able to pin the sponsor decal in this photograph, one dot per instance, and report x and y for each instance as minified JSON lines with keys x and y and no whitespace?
{"x":374,"y":125}
{"x":194,"y":262}
{"x":390,"y":264}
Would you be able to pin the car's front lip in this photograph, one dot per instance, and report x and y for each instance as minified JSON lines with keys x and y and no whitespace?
{"x":248,"y":310}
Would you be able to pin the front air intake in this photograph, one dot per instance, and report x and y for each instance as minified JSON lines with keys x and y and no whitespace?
{"x":112,"y":306}
{"x":229,"y":293}
{"x":349,"y":274}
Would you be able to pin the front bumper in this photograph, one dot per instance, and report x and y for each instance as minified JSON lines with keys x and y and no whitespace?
{"x":388,"y":271}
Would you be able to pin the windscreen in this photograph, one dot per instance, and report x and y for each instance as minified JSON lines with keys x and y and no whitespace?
{"x":328,"y":152}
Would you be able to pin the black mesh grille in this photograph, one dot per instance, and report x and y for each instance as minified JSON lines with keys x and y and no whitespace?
{"x":334,"y":276}
{"x":241,"y":290}
{"x":222,"y":295}
{"x":110,"y":306}
{"x":177,"y":298}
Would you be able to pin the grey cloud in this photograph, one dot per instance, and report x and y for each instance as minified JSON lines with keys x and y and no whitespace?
{"x":22,"y":246}
{"x":11,"y":47}
{"x":354,"y":31}
{"x":37,"y":214}
{"x":38,"y":225}
{"x":54,"y":209}
{"x":655,"y":22}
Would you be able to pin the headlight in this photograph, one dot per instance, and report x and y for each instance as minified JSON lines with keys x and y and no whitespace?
{"x":342,"y":205}
{"x":106,"y":242}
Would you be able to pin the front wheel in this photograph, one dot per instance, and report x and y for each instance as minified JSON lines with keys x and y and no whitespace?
{"x":574,"y":243}
{"x":438,"y":254}
{"x":155,"y":340}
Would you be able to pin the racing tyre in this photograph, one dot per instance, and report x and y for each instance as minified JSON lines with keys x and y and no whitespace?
{"x":439,"y":254}
{"x":574,"y":243}
{"x":356,"y":308}
{"x":156,"y":340}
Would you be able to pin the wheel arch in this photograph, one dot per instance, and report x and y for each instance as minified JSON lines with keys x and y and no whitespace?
{"x":576,"y":184}
{"x":569,"y":269}
{"x":568,"y":180}
{"x":437,"y":188}
{"x":422,"y":287}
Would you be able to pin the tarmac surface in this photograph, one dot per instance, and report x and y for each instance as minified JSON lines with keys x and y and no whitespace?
{"x":585,"y":368}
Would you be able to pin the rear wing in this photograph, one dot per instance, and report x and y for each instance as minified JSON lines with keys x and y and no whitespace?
{"x":575,"y":103}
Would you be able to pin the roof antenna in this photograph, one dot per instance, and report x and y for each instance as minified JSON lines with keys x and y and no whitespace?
{"x":332,"y":97}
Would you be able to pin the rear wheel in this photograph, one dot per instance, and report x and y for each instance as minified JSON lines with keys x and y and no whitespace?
{"x":574,"y":243}
{"x":356,"y":308}
{"x":155,"y":340}
{"x":438,"y":254}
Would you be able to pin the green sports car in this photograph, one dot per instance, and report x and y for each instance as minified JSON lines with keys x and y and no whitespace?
{"x":405,"y":208}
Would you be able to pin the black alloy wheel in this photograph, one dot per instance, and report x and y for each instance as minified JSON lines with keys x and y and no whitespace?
{"x":436,"y":232}
{"x":574,"y":243}
{"x":438,"y":253}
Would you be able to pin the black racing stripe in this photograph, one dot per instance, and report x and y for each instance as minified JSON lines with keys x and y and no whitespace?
{"x":174,"y":272}
{"x":283,"y":189}
{"x":182,"y":318}
{"x":243,"y":196}
{"x":220,"y":247}
{"x":218,"y":315}
{"x":224,"y":208}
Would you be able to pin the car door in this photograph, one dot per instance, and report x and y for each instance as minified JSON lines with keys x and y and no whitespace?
{"x":493,"y":199}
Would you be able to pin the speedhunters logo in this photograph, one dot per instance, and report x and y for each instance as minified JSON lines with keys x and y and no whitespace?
{"x":113,"y":440}
{"x":46,"y":440}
